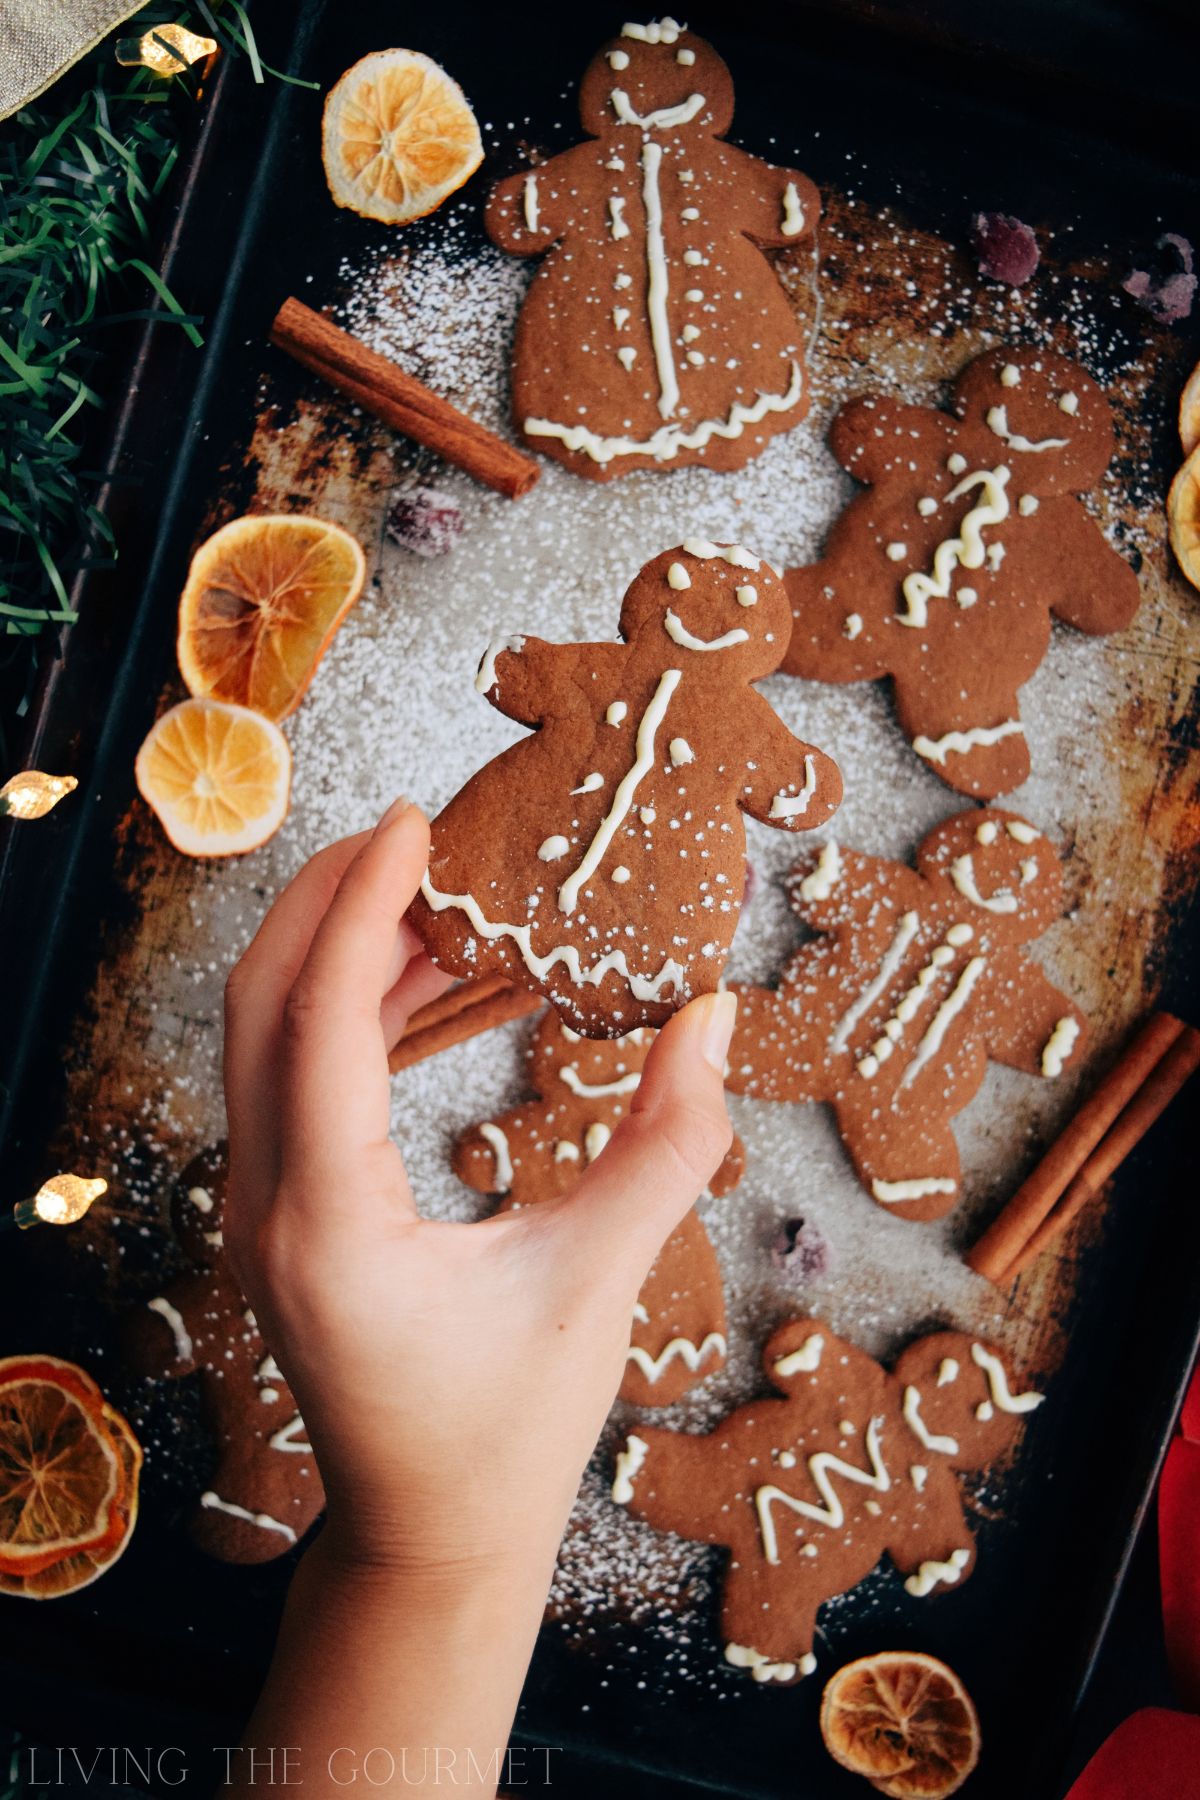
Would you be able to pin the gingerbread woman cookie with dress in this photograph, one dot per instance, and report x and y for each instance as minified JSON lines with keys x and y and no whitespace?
{"x":600,"y":861}
{"x":807,"y":1492}
{"x":944,"y":574}
{"x":655,"y":332}
{"x":265,"y":1490}
{"x":538,"y":1150}
{"x":914,"y":980}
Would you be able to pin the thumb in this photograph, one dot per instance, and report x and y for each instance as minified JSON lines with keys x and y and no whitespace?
{"x":670,"y":1144}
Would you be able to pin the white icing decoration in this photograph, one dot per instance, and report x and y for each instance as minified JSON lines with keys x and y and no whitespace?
{"x":930,"y":1573}
{"x":291,"y":1437}
{"x":1027,"y":504}
{"x":959,"y":742}
{"x":918,"y":1474}
{"x":695,"y":295}
{"x":669,"y":440}
{"x":804,"y":1361}
{"x":997,"y":420}
{"x":620,"y":317}
{"x":762,"y":1668}
{"x":985,"y":1411}
{"x":793,"y":212}
{"x":958,"y":935}
{"x":1029,"y":871}
{"x":926,"y":505}
{"x":640,"y":1315}
{"x":620,"y":874}
{"x":629,"y":1461}
{"x":685,"y":58}
{"x":616,"y":223}
{"x":966,"y":596}
{"x":704,"y":550}
{"x":1010,"y":375}
{"x":962,"y":874}
{"x":268,"y":1395}
{"x":618,"y":59}
{"x":693,"y":258}
{"x":553,"y":847}
{"x":678,"y":577}
{"x":664,"y":119}
{"x":852,"y":626}
{"x":944,"y":1017}
{"x":947,"y":1371}
{"x":201,"y":1199}
{"x":264,"y":1521}
{"x":657,"y":282}
{"x":531,"y":202}
{"x":647,"y":815}
{"x":565,"y":1151}
{"x":790,"y":806}
{"x":987,"y":833}
{"x":627,"y":356}
{"x":897,"y":552}
{"x":1059,"y":1046}
{"x":590,"y":783}
{"x":891,"y":1192}
{"x":568,"y":893}
{"x":904,"y":934}
{"x":995,"y":556}
{"x":945,"y":1446}
{"x":993,"y":1368}
{"x":659,"y":31}
{"x":616,"y":713}
{"x":690,"y":333}
{"x":1023,"y":833}
{"x":1069,"y":404}
{"x":747,"y":595}
{"x":589,"y":1090}
{"x":680,"y":752}
{"x":485,"y":681}
{"x":821,"y":1466}
{"x":696,"y":358}
{"x":680,"y":1348}
{"x":964,"y":551}
{"x":594,"y":1140}
{"x":690,"y":214}
{"x":179,"y":1331}
{"x":493,"y":1135}
{"x":820,"y":884}
{"x":678,"y":632}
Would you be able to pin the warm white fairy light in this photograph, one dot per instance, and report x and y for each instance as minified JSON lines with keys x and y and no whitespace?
{"x":62,"y":1200}
{"x":166,"y":49}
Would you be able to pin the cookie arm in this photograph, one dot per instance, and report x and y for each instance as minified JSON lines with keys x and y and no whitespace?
{"x":788,"y":784}
{"x":667,"y":1479}
{"x":1093,"y":588}
{"x":523,"y":214}
{"x":875,"y":437}
{"x":776,"y":207}
{"x":1039,"y":1030}
{"x":157,"y":1341}
{"x":494,"y":1156}
{"x":836,"y":888}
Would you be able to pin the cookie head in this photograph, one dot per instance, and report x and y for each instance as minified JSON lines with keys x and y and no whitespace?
{"x":1003,"y":872}
{"x":198,"y":1203}
{"x":1040,"y":415}
{"x":657,"y":74}
{"x":963,"y":1397}
{"x":718,"y":604}
{"x":562,"y":1062}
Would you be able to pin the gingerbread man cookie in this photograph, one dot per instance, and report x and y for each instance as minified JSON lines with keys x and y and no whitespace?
{"x":655,"y":332}
{"x":945,"y":572}
{"x":807,"y":1492}
{"x":538,"y":1151}
{"x":265,"y":1490}
{"x":601,"y":861}
{"x":915,"y":980}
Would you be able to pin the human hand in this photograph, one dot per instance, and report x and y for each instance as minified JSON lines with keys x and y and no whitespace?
{"x":453,"y":1378}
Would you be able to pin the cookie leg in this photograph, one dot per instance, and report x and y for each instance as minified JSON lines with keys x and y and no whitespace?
{"x":974,"y":742}
{"x":769,"y":1640}
{"x":770,"y":1057}
{"x":909,"y":1165}
{"x":678,"y":1336}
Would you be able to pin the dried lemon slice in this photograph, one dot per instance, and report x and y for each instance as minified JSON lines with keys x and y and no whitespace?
{"x":398,"y":137}
{"x":1183,"y":517}
{"x":218,"y":777}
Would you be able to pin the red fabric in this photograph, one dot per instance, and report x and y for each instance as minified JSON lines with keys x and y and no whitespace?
{"x":1154,"y":1755}
{"x":1179,"y":1552}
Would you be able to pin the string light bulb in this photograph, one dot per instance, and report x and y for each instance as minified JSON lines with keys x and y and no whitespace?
{"x":63,"y":1200}
{"x":31,"y":795}
{"x":165,"y":49}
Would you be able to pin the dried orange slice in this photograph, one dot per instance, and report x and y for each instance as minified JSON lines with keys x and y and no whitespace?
{"x":263,"y":599}
{"x":905,"y":1721}
{"x":398,"y":137}
{"x":65,"y":1482}
{"x":1183,"y":517}
{"x":1189,"y":412}
{"x":79,"y":1568}
{"x":217,"y":776}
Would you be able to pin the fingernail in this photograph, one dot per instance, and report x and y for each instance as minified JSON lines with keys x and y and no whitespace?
{"x":399,"y":805}
{"x":715,"y":1028}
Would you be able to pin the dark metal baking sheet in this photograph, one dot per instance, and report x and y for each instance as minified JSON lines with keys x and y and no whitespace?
{"x":937,"y":127}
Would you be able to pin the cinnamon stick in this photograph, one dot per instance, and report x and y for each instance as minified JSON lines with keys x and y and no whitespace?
{"x":1147,"y":1075}
{"x":400,"y":400}
{"x":461,"y":1013}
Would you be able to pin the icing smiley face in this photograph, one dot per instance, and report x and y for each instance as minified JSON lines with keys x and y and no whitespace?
{"x":999,"y":868}
{"x":1040,"y":415}
{"x":657,"y":77}
{"x":716,"y":601}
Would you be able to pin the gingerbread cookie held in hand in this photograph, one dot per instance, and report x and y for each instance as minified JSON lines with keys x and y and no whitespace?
{"x":915,"y":979}
{"x":265,"y":1490}
{"x":600,"y":862}
{"x":809,"y":1491}
{"x":655,"y":332}
{"x":538,"y":1151}
{"x":945,"y":572}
